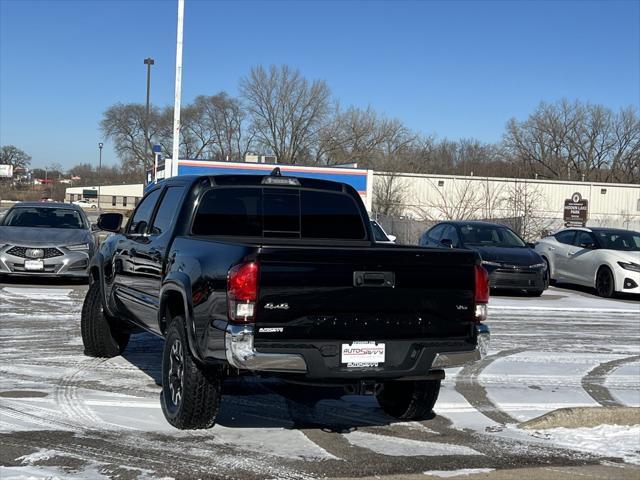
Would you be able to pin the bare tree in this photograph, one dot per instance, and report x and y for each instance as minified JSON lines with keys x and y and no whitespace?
{"x":577,"y":140}
{"x":388,"y":195}
{"x":525,"y":206}
{"x":287,"y":111}
{"x":126,"y":125}
{"x":10,"y":155}
{"x":222,"y":118}
{"x":460,"y":201}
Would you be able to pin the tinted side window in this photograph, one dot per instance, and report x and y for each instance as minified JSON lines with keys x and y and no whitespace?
{"x":436,"y":232}
{"x":167,"y":210}
{"x":141,"y":218}
{"x":584,"y":238}
{"x":565,"y":237}
{"x":452,"y":234}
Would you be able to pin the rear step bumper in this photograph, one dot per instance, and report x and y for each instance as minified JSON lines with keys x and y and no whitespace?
{"x":241,"y":353}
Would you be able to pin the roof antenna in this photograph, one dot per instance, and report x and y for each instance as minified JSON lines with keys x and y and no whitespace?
{"x":276,"y":172}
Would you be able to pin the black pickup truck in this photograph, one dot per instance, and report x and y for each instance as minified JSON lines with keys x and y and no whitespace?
{"x":280,"y":276}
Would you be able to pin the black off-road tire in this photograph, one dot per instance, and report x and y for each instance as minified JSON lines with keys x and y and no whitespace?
{"x":190,"y":392}
{"x":409,"y":400}
{"x":605,"y":283}
{"x":100,"y":334}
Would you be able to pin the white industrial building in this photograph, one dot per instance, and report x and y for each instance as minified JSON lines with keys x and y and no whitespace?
{"x":440,"y":197}
{"x":112,"y":197}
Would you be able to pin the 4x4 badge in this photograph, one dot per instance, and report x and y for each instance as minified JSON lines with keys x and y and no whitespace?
{"x":277,"y":306}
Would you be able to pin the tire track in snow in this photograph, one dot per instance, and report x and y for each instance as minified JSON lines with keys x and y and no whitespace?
{"x":66,"y":396}
{"x":593,"y":382}
{"x":469,"y":387}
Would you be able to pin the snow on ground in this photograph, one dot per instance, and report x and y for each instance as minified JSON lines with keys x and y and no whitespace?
{"x":560,"y":299}
{"x":457,"y":473}
{"x":402,"y":447}
{"x":606,"y":440}
{"x":624,"y":384}
{"x":49,"y":473}
{"x":546,"y":353}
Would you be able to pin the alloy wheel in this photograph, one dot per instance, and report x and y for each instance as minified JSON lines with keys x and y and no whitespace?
{"x":176,"y":372}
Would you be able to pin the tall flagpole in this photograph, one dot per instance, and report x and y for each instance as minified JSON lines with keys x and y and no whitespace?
{"x":178,"y":92}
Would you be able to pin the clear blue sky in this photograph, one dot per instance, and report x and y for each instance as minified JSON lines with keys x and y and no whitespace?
{"x":454,"y":69}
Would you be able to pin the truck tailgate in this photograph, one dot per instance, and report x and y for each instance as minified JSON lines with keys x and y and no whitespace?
{"x":374,"y":293}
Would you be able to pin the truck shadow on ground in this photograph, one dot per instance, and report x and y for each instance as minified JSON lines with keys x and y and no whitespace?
{"x":255,"y":402}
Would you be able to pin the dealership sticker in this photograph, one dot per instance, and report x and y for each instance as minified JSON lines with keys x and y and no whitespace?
{"x":362,"y":354}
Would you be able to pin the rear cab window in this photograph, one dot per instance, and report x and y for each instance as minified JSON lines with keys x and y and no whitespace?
{"x":285,"y":213}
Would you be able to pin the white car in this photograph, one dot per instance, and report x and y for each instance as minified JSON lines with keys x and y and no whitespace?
{"x":380,"y":235}
{"x":84,"y":203}
{"x":606,"y":259}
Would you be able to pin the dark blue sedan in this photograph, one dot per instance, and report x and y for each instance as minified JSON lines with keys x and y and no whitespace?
{"x":512,"y":264}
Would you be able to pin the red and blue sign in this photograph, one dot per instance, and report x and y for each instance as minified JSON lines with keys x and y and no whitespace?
{"x":357,"y":178}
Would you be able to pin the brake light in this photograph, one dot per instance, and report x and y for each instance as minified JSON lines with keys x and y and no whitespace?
{"x":481,"y":293}
{"x":242,"y":292}
{"x":482,"y":285}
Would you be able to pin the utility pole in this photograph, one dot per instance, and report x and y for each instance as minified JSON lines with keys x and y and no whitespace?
{"x":100,"y":145}
{"x":148,"y":62}
{"x":178,"y":91}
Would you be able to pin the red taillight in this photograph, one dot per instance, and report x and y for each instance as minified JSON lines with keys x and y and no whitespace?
{"x":242,"y":292}
{"x":482,"y":285}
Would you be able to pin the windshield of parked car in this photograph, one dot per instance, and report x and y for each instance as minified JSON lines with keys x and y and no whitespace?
{"x":489,"y":236}
{"x":619,"y":240}
{"x":37,"y":217}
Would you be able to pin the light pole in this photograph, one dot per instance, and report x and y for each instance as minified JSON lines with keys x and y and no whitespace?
{"x":148,"y":62}
{"x":100,"y":145}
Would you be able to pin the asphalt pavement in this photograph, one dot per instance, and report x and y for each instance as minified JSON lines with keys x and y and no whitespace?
{"x":63,"y":414}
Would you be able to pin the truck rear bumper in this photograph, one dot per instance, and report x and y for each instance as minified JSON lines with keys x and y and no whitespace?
{"x":242,"y":354}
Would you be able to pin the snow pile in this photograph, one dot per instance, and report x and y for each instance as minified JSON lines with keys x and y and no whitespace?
{"x":49,"y":473}
{"x":457,"y":473}
{"x":402,"y":447}
{"x":605,"y":440}
{"x":40,"y":455}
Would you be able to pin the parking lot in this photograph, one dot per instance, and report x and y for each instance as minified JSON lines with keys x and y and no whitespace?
{"x":63,"y":414}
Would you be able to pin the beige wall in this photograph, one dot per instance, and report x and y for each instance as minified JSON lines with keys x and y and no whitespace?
{"x":432,"y":196}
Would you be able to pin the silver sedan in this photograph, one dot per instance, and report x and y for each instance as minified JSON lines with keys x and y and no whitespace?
{"x":45,"y":239}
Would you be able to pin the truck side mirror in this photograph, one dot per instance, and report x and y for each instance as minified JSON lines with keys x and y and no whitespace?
{"x":110,"y":222}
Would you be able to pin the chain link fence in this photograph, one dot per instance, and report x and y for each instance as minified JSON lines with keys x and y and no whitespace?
{"x":408,"y":230}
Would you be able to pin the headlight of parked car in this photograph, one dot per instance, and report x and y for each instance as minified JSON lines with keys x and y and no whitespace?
{"x":538,"y":265}
{"x":491,"y":264}
{"x":78,"y":247}
{"x":634,"y":267}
